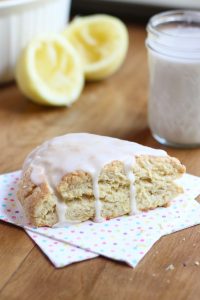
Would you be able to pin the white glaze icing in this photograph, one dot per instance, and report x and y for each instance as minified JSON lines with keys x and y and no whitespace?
{"x":90,"y":153}
{"x":61,"y":208}
{"x":128,"y":164}
{"x":98,"y":205}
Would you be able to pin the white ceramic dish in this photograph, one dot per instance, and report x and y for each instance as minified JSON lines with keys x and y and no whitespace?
{"x":20,"y":21}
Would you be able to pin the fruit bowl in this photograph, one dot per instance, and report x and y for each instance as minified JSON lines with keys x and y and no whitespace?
{"x":20,"y":21}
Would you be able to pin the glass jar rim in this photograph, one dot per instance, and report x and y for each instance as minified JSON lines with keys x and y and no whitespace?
{"x":175,"y":43}
{"x":173,"y":16}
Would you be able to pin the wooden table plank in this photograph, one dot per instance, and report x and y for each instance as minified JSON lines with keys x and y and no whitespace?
{"x":120,"y":98}
{"x":103,"y":279}
{"x":115,"y":107}
{"x":15,"y":245}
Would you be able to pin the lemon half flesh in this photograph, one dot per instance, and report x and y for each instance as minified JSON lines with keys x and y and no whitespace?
{"x":102,"y":42}
{"x":49,"y":71}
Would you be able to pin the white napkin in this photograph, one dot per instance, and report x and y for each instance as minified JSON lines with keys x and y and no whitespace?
{"x":126,"y":239}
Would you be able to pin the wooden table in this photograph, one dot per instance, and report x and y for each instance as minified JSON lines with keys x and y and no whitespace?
{"x":115,"y":107}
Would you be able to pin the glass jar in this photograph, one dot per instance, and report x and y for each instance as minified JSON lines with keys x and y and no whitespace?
{"x":173,"y":45}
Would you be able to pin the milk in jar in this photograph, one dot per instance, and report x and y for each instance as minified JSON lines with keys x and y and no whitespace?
{"x":174,"y":68}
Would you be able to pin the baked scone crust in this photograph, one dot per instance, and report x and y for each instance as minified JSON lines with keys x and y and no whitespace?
{"x":154,"y":187}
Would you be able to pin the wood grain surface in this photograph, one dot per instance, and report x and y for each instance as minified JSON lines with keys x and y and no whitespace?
{"x":115,"y":107}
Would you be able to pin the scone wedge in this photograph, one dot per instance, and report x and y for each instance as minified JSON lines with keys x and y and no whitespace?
{"x":80,"y":176}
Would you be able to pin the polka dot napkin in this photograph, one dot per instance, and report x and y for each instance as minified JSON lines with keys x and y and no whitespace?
{"x":126,"y":239}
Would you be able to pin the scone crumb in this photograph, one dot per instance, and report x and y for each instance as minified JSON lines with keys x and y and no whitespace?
{"x":170,"y":267}
{"x":184,"y":264}
{"x":197,"y":263}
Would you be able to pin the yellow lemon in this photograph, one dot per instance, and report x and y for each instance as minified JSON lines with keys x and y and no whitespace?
{"x":102,"y":42}
{"x":49,"y":71}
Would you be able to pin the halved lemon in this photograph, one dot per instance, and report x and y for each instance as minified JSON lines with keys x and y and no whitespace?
{"x":102,"y":42}
{"x":49,"y":71}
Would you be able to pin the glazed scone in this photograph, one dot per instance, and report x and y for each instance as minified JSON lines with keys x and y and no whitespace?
{"x":80,"y":176}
